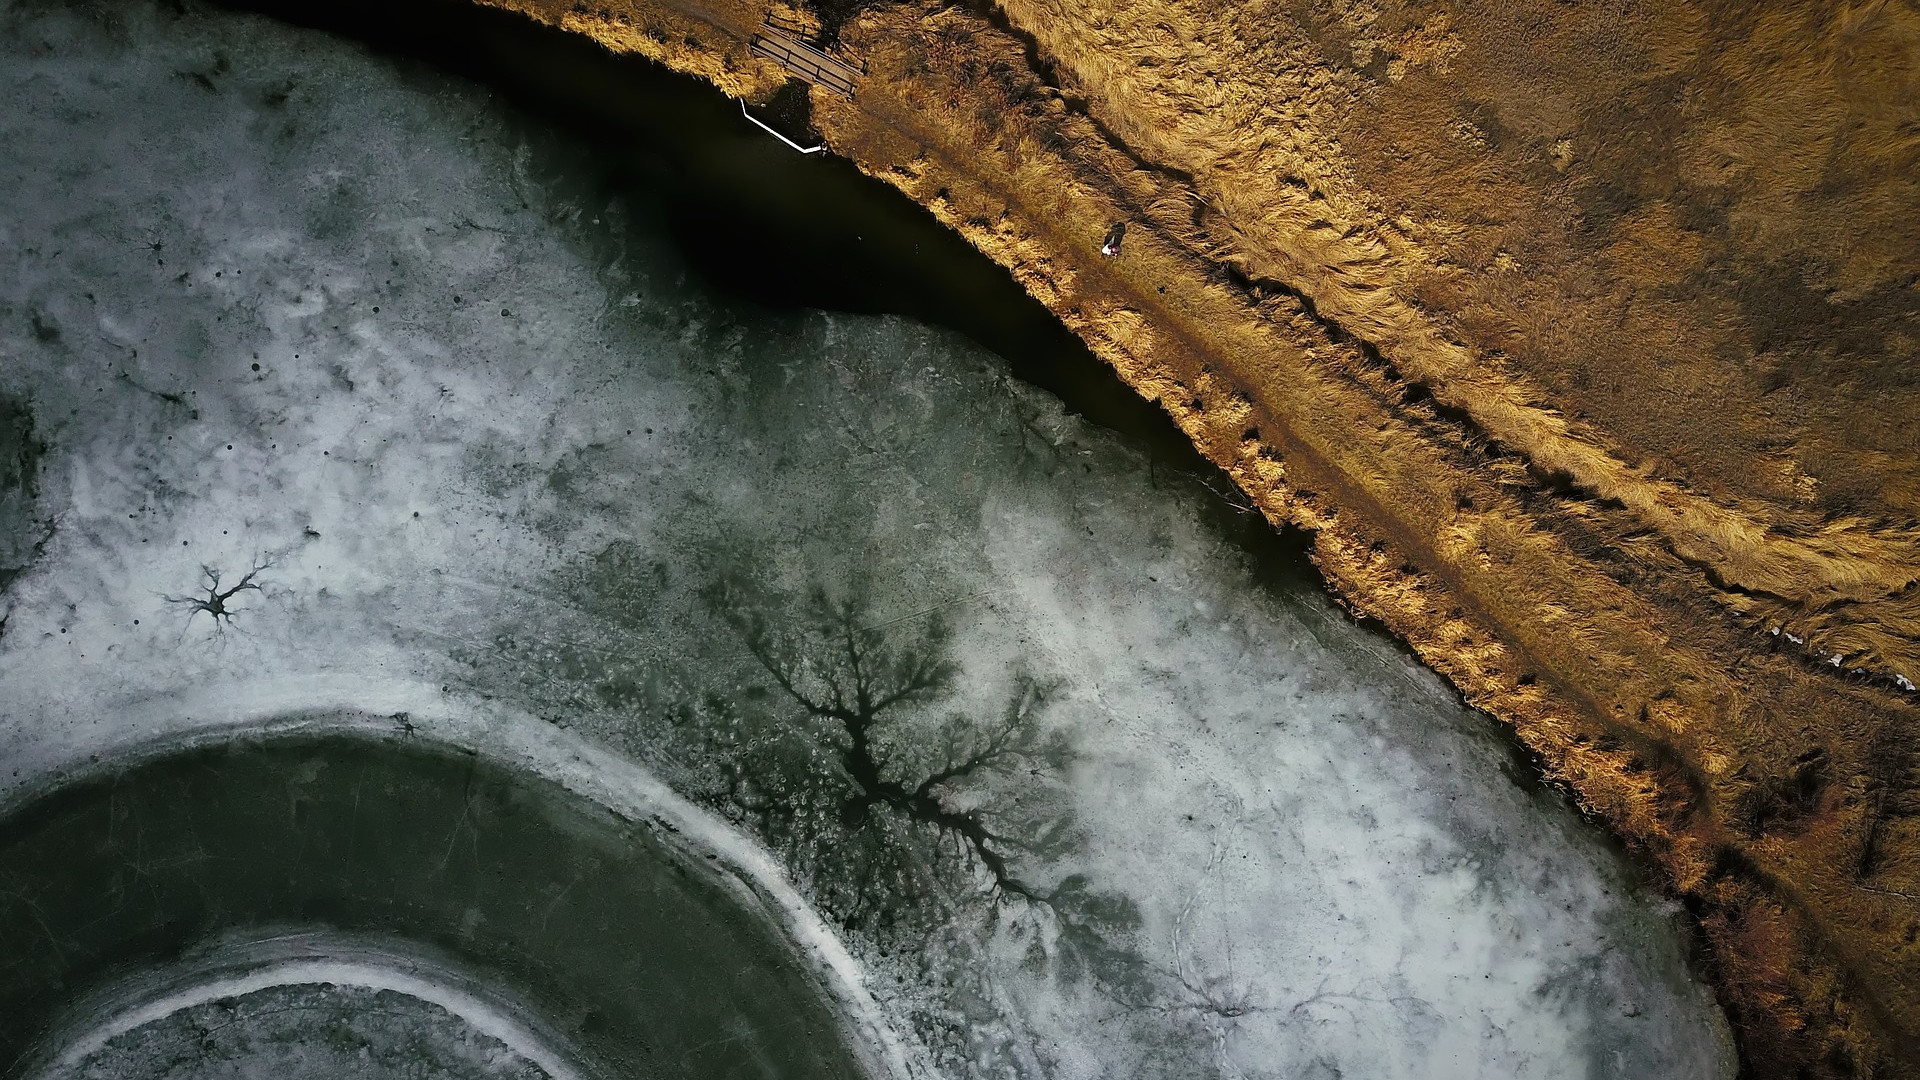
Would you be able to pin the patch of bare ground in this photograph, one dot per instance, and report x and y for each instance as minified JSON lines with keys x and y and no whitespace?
{"x":1583,"y":337}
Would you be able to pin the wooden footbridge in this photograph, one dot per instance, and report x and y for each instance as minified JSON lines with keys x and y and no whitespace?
{"x":783,"y":45}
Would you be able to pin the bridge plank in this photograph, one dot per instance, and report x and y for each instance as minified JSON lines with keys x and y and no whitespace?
{"x":807,"y":62}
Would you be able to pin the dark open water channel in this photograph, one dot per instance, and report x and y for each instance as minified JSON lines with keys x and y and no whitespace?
{"x":644,"y":960}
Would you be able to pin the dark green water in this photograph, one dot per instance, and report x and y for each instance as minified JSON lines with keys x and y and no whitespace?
{"x":646,"y":963}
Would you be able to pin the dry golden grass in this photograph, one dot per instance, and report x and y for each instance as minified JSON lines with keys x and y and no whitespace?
{"x":1418,"y":276}
{"x":1582,"y":336}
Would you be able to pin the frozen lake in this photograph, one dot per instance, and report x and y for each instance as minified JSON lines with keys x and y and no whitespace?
{"x":329,"y":382}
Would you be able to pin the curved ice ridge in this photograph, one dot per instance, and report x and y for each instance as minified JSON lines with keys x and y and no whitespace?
{"x":305,"y":959}
{"x":165,"y":725}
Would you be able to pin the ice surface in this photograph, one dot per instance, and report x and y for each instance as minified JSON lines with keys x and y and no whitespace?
{"x":275,"y":303}
{"x":315,"y":1031}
